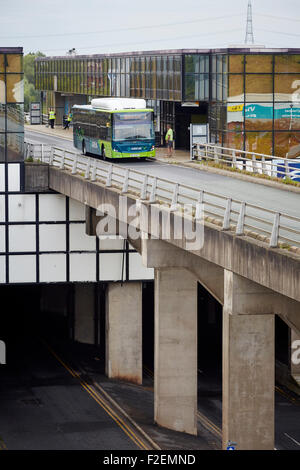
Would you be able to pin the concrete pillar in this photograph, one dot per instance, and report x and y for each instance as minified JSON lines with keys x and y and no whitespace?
{"x":295,"y":355}
{"x":160,"y":254}
{"x":124,"y":331}
{"x":84,"y":313}
{"x":248,"y":366}
{"x":175,"y":371}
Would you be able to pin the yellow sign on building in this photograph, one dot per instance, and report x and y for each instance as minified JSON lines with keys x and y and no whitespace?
{"x":238,"y":107}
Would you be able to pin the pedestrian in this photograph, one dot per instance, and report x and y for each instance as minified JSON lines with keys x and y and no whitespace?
{"x":169,"y":140}
{"x":68,"y":120}
{"x":52,"y":118}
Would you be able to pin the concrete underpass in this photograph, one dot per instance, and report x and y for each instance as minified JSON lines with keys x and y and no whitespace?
{"x":52,"y":410}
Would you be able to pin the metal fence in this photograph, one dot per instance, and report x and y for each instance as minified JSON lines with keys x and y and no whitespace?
{"x":37,"y":152}
{"x":248,"y":161}
{"x":275,"y":228}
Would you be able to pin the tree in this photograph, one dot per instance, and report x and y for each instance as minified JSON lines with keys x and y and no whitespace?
{"x":30,"y":93}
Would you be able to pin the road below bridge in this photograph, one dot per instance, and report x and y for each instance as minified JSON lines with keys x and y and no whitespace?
{"x":44,"y":407}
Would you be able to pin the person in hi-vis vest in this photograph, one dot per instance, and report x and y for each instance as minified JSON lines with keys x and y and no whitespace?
{"x":51,"y":118}
{"x":169,"y":140}
{"x":68,"y":120}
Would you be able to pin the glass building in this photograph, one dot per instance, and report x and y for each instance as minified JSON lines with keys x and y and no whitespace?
{"x":11,"y":105}
{"x":249,"y":97}
{"x":42,"y":233}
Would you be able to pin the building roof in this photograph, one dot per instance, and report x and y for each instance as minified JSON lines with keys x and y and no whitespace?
{"x":11,"y":50}
{"x":228,"y":50}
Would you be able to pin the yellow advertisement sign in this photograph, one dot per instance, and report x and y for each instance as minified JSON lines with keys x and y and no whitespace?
{"x":238,"y":107}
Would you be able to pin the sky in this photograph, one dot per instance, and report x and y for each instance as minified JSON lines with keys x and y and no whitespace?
{"x":97,"y":26}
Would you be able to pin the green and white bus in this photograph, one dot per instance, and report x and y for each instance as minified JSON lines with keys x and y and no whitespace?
{"x":114,"y":128}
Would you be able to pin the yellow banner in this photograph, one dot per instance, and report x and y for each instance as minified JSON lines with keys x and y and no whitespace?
{"x":238,"y":107}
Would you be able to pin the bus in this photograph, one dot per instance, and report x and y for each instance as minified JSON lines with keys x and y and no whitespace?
{"x":114,"y":128}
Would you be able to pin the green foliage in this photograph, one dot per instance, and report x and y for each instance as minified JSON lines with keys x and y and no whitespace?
{"x":30,"y":93}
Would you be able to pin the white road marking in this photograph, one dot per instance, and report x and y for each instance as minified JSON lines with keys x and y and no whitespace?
{"x":294,"y":440}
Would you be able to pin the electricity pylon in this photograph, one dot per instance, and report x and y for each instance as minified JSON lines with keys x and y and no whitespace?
{"x":249,"y":39}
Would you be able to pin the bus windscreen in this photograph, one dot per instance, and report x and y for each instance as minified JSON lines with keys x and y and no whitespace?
{"x":133,"y":126}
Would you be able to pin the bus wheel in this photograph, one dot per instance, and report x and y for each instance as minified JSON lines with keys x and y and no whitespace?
{"x":103,"y":153}
{"x":83,"y":148}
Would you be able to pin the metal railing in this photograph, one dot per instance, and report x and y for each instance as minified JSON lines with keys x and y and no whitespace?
{"x":275,"y":228}
{"x":248,"y":161}
{"x":39,"y":152}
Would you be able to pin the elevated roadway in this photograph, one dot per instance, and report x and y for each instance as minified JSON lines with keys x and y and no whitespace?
{"x":254,"y":193}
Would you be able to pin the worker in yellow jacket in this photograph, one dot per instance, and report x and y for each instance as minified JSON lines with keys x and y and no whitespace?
{"x":169,"y":140}
{"x":52,"y":118}
{"x":68,"y":120}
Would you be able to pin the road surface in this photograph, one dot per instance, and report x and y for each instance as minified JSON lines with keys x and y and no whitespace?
{"x":253,"y":193}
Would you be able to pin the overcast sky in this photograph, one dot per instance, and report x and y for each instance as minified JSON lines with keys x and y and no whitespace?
{"x":98,"y":26}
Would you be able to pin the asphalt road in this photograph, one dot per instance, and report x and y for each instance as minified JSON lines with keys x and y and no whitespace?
{"x":42,"y":407}
{"x":287,"y":406}
{"x":253,"y":193}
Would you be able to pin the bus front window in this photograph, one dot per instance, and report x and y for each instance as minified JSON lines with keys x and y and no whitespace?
{"x":133,"y":126}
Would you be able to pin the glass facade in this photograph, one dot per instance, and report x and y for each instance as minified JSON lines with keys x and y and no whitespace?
{"x":196,"y":77}
{"x":11,"y":105}
{"x":261,"y":112}
{"x":151,"y":77}
{"x":253,"y":98}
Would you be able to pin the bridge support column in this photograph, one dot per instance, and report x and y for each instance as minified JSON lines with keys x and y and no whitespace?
{"x":175,"y":371}
{"x":248,"y":365}
{"x":124,"y":332}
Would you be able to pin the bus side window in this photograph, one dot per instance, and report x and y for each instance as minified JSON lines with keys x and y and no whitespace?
{"x":108,"y":128}
{"x":102,"y":131}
